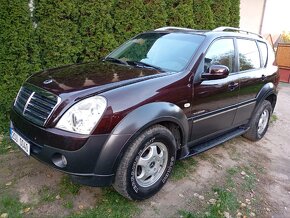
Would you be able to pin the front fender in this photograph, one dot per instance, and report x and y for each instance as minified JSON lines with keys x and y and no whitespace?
{"x":129,"y":128}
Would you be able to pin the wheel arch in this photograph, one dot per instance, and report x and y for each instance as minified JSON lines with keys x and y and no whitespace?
{"x":267,"y":92}
{"x":163,"y":113}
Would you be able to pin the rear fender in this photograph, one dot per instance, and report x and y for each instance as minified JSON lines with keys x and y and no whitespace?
{"x":267,"y":90}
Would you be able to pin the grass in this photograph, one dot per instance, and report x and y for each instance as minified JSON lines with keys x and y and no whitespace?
{"x":250,"y":180}
{"x":68,"y":187}
{"x":111,"y":205}
{"x":47,"y":194}
{"x":228,"y":195}
{"x":273,"y":118}
{"x":6,"y":145}
{"x":182,"y":168}
{"x":186,"y":214}
{"x":11,"y":205}
{"x":68,"y":204}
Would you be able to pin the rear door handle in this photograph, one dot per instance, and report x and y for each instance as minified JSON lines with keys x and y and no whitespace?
{"x":233,"y":85}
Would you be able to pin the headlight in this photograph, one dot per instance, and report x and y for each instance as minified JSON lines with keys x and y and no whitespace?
{"x":83,"y":116}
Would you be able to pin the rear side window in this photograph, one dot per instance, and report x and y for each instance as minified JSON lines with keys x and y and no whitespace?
{"x":221,"y":52}
{"x":264,"y":52}
{"x":249,"y":57}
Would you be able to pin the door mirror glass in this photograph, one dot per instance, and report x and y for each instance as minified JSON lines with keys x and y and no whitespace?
{"x":216,"y":72}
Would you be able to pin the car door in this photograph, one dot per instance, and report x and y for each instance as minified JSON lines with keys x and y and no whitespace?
{"x":214,"y":101}
{"x":253,"y":75}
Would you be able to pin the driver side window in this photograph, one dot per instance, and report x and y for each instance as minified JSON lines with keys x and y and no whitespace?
{"x":221,"y":52}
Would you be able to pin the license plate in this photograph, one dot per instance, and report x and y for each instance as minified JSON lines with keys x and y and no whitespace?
{"x":22,"y":143}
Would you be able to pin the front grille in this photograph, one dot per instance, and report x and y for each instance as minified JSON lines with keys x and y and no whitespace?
{"x":35,"y":104}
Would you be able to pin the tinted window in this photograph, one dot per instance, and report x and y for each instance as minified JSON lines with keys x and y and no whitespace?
{"x":264,"y":52}
{"x":170,"y":51}
{"x":248,"y":54}
{"x":221,"y":52}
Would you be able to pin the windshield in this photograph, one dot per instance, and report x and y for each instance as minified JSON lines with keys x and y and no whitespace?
{"x":168,"y":51}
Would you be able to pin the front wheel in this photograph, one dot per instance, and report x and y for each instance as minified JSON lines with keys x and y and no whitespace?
{"x":147,"y":164}
{"x":259,"y":122}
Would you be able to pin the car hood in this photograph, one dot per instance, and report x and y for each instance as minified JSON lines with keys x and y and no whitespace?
{"x":87,"y":78}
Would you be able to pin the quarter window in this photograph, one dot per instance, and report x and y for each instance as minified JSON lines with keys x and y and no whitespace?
{"x":221,"y":52}
{"x":264,"y":52}
{"x":248,"y":54}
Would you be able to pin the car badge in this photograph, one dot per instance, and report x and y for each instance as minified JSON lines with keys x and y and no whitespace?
{"x":48,"y":81}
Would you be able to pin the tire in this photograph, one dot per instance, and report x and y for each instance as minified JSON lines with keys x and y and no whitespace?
{"x":140,"y":176}
{"x":259,"y":122}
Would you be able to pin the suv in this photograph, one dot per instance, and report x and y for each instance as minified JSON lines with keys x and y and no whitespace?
{"x":163,"y":95}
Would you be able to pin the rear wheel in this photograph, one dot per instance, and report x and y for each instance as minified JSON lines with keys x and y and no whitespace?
{"x":259,"y":122}
{"x":147,"y":164}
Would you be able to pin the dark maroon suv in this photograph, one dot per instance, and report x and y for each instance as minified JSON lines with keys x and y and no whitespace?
{"x":163,"y":95}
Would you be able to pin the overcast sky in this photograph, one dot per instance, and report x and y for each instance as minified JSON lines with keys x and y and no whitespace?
{"x":277,"y":16}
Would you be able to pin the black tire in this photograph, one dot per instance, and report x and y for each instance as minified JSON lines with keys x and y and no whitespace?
{"x":127,"y":182}
{"x":253,"y":134}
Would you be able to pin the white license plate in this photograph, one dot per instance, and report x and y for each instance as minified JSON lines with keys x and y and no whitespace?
{"x":23,"y":144}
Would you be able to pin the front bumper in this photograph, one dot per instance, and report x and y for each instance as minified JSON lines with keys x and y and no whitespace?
{"x":81,"y":152}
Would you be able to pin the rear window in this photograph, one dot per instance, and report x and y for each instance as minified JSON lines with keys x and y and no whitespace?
{"x":264,"y":53}
{"x":249,"y":56}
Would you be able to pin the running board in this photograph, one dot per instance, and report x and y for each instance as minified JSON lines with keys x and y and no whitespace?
{"x":214,"y":142}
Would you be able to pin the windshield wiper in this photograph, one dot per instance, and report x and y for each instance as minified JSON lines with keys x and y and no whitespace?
{"x":143,"y":64}
{"x":115,"y":60}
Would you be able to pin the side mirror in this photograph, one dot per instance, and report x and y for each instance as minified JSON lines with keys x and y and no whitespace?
{"x":216,"y":72}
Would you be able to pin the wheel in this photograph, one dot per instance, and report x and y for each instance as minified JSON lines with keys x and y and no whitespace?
{"x":147,"y":164}
{"x":259,"y":122}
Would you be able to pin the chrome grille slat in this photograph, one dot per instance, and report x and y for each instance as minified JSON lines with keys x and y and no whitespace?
{"x":37,"y":109}
{"x":42,"y":102}
{"x":22,"y":100}
{"x":35,"y":114}
{"x":44,"y":99}
{"x":40,"y":107}
{"x":35,"y":104}
{"x":27,"y":91}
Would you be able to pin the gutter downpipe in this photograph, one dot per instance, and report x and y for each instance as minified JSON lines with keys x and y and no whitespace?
{"x":262,"y":18}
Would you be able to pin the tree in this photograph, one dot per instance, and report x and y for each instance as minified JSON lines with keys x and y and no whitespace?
{"x":180,"y":13}
{"x":18,"y":57}
{"x":221,"y":9}
{"x":57,"y":31}
{"x":203,"y":16}
{"x":155,"y":14}
{"x":234,"y":13}
{"x":129,"y":19}
{"x":96,"y":29}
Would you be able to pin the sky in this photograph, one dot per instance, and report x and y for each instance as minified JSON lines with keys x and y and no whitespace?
{"x":277,"y":16}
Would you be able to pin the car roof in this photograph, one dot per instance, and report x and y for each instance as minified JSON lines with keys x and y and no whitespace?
{"x":220,"y":31}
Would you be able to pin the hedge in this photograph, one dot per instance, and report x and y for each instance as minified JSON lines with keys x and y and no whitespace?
{"x":18,"y":53}
{"x":75,"y":31}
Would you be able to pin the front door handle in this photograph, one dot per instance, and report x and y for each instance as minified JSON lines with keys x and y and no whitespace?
{"x":233,"y":85}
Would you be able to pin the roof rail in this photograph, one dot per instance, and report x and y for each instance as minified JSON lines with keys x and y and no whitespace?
{"x":173,"y":28}
{"x":227,"y":28}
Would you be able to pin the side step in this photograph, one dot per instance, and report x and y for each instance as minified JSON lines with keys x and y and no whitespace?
{"x":214,"y":142}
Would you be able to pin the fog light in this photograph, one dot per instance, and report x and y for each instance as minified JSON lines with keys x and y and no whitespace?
{"x":59,"y":160}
